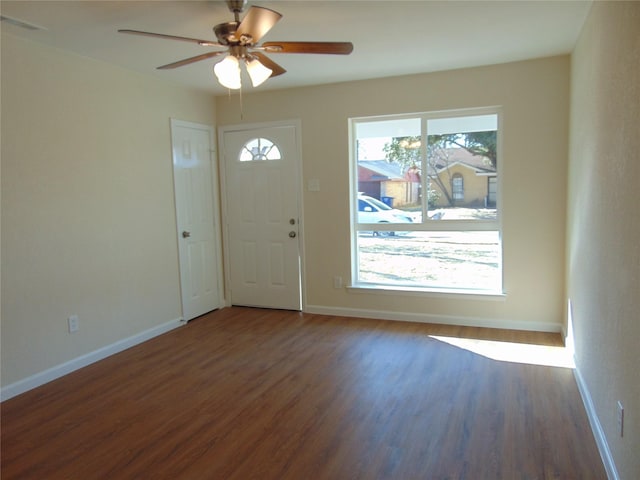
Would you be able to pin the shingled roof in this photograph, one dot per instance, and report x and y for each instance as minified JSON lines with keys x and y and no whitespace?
{"x":383,"y":170}
{"x":461,"y":156}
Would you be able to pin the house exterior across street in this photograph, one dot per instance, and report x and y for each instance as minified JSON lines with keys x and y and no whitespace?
{"x":457,"y":177}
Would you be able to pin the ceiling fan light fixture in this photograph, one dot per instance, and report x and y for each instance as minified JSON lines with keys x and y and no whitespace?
{"x":227,"y":72}
{"x":241,"y":39}
{"x":257,"y":72}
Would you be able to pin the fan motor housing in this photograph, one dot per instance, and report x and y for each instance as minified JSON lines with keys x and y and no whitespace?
{"x":225,"y":33}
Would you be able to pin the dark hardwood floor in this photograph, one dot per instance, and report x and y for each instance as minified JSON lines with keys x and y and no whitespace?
{"x":264,"y":394}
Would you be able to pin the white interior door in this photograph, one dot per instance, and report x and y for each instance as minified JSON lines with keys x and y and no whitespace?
{"x":262,"y":215}
{"x":194,"y":180}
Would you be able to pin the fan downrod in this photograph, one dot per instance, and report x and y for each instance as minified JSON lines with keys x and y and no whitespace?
{"x":237,"y":7}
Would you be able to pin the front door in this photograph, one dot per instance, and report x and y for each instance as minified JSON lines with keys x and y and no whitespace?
{"x":197,"y":219}
{"x":262,"y":212}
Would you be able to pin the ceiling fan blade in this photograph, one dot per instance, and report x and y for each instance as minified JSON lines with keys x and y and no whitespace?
{"x":206,"y":43}
{"x":267,"y":62}
{"x":335,"y":48}
{"x":187,"y":61}
{"x":256,"y":23}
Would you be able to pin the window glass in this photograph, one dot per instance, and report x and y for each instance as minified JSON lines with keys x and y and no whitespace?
{"x":407,"y":190}
{"x":461,"y":156}
{"x":380,"y":177}
{"x":259,"y":149}
{"x":439,"y":260}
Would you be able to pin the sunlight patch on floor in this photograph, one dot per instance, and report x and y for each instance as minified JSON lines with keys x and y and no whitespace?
{"x":543,"y":355}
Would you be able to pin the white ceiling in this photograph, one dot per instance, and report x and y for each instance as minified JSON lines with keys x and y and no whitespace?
{"x":390,"y":37}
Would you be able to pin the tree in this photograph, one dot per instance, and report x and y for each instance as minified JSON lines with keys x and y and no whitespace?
{"x":406,"y":151}
{"x":438,"y":160}
{"x":483,"y":144}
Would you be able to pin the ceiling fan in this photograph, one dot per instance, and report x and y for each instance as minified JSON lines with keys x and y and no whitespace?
{"x":240,"y":42}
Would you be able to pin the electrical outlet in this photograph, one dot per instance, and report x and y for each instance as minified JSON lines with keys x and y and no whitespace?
{"x":620,"y":418}
{"x":337,"y":282}
{"x":74,"y":323}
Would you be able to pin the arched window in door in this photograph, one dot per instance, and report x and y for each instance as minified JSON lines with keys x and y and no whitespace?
{"x":457,"y":186}
{"x":259,"y":149}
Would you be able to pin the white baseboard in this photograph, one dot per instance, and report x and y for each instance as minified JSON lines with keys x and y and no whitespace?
{"x":440,"y":319}
{"x":596,"y":427}
{"x":58,"y":371}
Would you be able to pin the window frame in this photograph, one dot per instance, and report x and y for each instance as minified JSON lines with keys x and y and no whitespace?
{"x":424,"y":225}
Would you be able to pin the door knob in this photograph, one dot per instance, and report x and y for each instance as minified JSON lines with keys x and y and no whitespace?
{"x":186,"y":234}
{"x":292,"y":234}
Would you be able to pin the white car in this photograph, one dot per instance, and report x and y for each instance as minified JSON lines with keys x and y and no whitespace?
{"x":372,"y":210}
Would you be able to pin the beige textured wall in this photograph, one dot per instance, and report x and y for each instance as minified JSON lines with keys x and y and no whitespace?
{"x":603,"y":240}
{"x":88,"y":221}
{"x":534,"y":98}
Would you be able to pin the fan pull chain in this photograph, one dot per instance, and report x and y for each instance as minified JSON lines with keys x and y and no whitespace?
{"x":229,"y":96}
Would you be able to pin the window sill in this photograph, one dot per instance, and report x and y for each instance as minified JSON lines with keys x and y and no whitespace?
{"x":492,"y":295}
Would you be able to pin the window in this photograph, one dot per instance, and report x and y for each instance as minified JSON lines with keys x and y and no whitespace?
{"x":259,"y":149}
{"x":493,"y":191}
{"x":425,"y":202}
{"x":457,"y":187}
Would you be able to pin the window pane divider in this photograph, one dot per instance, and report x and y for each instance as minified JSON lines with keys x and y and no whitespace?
{"x":431,"y":226}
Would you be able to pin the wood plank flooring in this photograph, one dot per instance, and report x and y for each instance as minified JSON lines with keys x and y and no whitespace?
{"x":264,"y":394}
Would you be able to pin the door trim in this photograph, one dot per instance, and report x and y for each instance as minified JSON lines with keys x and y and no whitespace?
{"x":215,"y":196}
{"x":297,"y":125}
